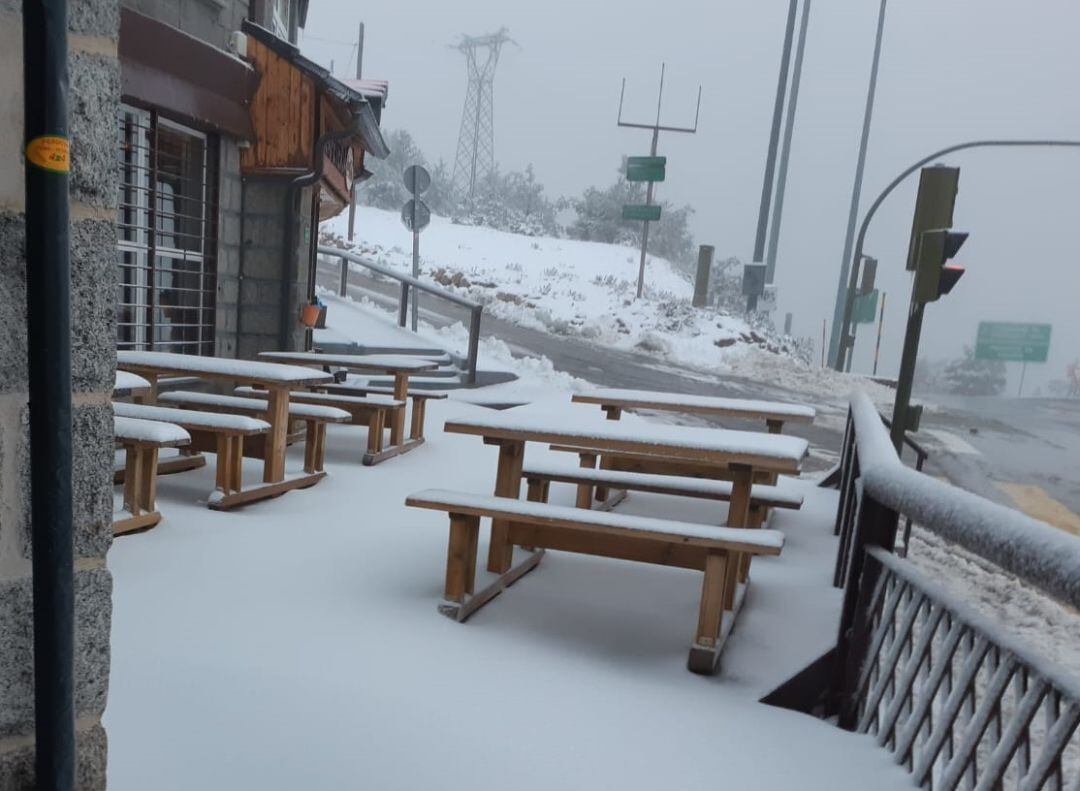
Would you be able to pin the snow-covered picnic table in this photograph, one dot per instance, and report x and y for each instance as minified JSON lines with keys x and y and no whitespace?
{"x":740,"y":454}
{"x":131,"y":385}
{"x":277,"y":379}
{"x":400,"y":366}
{"x":774,"y":413}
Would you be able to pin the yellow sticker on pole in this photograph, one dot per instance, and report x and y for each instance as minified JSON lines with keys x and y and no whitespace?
{"x":49,"y":152}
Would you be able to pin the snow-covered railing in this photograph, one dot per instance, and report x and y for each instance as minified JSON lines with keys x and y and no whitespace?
{"x":957,"y":698}
{"x":409,"y":282}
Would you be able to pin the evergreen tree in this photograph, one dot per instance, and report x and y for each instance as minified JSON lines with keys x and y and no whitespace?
{"x":968,"y":376}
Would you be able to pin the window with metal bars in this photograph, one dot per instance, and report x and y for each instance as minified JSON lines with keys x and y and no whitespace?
{"x":167,"y":228}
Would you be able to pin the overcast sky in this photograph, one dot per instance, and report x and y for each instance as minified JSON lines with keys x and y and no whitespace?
{"x":951,"y":70}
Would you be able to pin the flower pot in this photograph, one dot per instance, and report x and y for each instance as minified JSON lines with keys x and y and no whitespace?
{"x":309,"y":315}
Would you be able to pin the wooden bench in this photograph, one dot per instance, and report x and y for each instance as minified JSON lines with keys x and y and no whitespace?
{"x":419,"y":400}
{"x":762,"y":497}
{"x":717,"y":551}
{"x":141,"y":441}
{"x":315,"y":418}
{"x":225,"y":435}
{"x":372,"y":411}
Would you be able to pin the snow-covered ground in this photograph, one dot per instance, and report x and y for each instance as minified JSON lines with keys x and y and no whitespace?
{"x":296,"y":644}
{"x":564,"y":286}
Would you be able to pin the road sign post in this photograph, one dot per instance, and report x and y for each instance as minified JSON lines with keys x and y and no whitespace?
{"x":416,"y":216}
{"x":704,"y":268}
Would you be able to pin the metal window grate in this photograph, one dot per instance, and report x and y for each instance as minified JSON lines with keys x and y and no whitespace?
{"x":167,"y":229}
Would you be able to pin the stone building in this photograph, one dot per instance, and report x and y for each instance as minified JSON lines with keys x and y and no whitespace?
{"x":95,"y":94}
{"x":204,"y":150}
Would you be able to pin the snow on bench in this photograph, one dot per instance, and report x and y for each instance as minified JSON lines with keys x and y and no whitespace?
{"x":680,"y":401}
{"x":330,"y":398}
{"x":153,"y":432}
{"x":778,"y":496}
{"x":126,"y":381}
{"x":755,"y":541}
{"x":572,"y":425}
{"x":254,"y":405}
{"x":368,"y":362}
{"x":358,"y":385}
{"x":189,"y":364}
{"x":191,"y":419}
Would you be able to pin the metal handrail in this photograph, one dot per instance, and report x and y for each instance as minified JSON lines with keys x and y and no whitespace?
{"x":1040,"y":555}
{"x":475,"y":309}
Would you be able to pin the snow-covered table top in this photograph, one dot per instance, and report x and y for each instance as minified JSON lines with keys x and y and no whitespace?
{"x":681,"y":402}
{"x":270,"y":374}
{"x":388,"y":363}
{"x":126,"y":383}
{"x":153,"y":431}
{"x":192,"y":418}
{"x":570,"y":425}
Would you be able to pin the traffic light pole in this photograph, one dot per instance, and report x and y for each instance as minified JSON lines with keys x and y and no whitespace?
{"x":838,"y":347}
{"x":907,"y":372}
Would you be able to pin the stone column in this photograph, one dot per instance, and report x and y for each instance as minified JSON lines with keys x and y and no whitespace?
{"x":95,"y":91}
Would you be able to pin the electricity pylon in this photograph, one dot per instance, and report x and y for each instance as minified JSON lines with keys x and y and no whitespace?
{"x":475,"y":159}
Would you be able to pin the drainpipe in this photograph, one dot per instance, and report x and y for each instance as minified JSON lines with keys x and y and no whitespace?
{"x":288,"y":259}
{"x":48,"y":312}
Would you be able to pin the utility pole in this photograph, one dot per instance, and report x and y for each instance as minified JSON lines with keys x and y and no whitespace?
{"x":785,"y":151}
{"x":655,"y":128}
{"x":774,"y":135}
{"x":838,"y":343}
{"x":352,"y":192}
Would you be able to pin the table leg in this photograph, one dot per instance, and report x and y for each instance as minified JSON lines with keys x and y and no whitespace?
{"x":397,"y":420}
{"x":277,"y":415}
{"x":742,"y":477}
{"x":151,"y":397}
{"x":507,"y":484}
{"x":612,"y":412}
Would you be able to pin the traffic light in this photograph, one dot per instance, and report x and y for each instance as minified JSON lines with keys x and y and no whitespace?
{"x":934,"y":276}
{"x":933,"y":205}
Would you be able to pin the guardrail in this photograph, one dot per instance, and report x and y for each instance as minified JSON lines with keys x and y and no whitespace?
{"x":958,"y":699}
{"x":409,"y":282}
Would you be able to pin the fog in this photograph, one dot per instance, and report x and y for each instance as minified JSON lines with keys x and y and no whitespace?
{"x":950,"y":72}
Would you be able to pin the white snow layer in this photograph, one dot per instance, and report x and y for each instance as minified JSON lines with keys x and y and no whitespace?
{"x":366,"y":362}
{"x":189,"y":364}
{"x":126,"y":381}
{"x":252,"y":404}
{"x":191,"y":417}
{"x":296,"y":644}
{"x":141,"y":430}
{"x":696,"y":402}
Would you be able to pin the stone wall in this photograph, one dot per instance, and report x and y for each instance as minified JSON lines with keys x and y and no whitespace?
{"x":95,"y":88}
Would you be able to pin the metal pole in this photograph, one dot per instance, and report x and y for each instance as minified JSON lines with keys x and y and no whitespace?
{"x":1023,"y":373}
{"x":785,"y":151}
{"x":474,"y":344}
{"x":645,"y":228}
{"x":907,"y":373}
{"x":851,"y":349}
{"x":839,"y":323}
{"x":48,"y":312}
{"x":880,"y":324}
{"x":824,"y":324}
{"x":860,"y":238}
{"x":774,"y":136}
{"x":415,"y":271}
{"x":343,"y":286}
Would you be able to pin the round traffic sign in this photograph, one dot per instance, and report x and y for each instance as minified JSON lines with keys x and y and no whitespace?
{"x":415,"y":215}
{"x":417,"y":179}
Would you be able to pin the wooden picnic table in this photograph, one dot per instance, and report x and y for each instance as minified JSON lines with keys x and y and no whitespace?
{"x":129,"y":385}
{"x":276,"y":379}
{"x":775,"y":414}
{"x":740,"y":453}
{"x":400,"y":366}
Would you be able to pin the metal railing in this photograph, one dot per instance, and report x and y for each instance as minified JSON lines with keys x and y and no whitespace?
{"x":959,"y":700}
{"x":408,"y":282}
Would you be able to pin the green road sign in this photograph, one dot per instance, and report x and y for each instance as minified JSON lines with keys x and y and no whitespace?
{"x":646,"y":168}
{"x":632,"y":211}
{"x":646,"y":162}
{"x":1012,"y":341}
{"x":865,"y":310}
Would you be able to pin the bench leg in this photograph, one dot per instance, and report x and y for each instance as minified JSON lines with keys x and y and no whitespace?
{"x":397,"y":420}
{"x":602,"y":492}
{"x":507,"y":484}
{"x":585,"y":490}
{"x":704,"y":653}
{"x":460,"y":568}
{"x":376,"y":425}
{"x":416,"y":427}
{"x":223,"y":473}
{"x":236,"y":469}
{"x":314,"y":437}
{"x":134,"y":470}
{"x":739,"y":506}
{"x":148,"y":489}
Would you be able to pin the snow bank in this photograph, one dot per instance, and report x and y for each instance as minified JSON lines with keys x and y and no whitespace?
{"x":564,"y":286}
